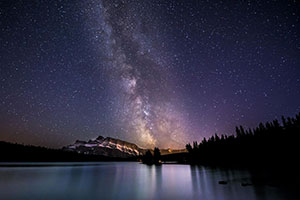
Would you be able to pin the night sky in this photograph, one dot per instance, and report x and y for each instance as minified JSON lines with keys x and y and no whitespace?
{"x":152,"y":72}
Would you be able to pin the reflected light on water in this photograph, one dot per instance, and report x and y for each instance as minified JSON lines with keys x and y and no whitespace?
{"x":131,"y":180}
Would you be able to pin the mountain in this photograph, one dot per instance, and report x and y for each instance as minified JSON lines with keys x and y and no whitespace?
{"x":112,"y":147}
{"x":11,"y":152}
{"x":108,"y":146}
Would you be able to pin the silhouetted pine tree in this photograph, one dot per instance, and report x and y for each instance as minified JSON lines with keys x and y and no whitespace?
{"x":147,"y":158}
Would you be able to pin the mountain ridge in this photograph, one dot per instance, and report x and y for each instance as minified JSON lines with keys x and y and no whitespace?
{"x":112,"y":147}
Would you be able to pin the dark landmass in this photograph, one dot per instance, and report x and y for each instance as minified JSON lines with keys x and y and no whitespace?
{"x":180,"y":158}
{"x":10,"y":152}
{"x":270,"y":144}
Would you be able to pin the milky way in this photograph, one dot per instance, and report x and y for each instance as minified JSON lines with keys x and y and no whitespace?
{"x":141,"y":81}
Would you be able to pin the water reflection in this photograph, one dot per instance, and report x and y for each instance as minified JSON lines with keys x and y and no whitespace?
{"x":130,"y":181}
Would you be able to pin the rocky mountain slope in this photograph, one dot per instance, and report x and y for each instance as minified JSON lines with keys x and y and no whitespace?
{"x":106,"y":146}
{"x":111,"y":147}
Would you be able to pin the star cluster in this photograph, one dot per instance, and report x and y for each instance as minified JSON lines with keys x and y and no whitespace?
{"x":157,"y":73}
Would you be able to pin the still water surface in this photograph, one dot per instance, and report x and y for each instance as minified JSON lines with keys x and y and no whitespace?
{"x":128,"y":180}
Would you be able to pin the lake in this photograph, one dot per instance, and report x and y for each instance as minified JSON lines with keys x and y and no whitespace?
{"x":128,"y":180}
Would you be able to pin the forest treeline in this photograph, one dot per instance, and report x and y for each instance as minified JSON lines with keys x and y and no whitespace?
{"x":273,"y":143}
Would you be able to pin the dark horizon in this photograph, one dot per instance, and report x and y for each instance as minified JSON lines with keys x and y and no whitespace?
{"x":149,"y":72}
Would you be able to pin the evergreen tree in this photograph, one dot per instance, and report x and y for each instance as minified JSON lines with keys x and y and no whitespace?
{"x":147,"y":158}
